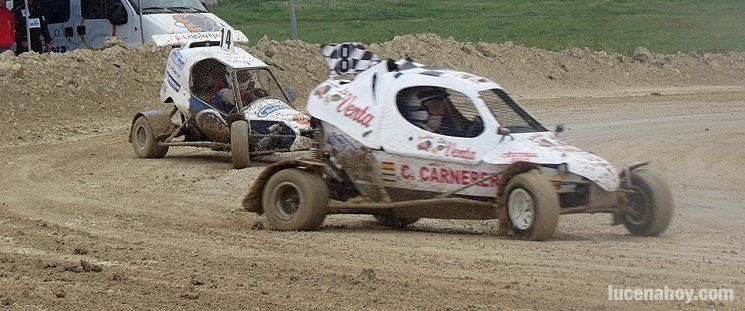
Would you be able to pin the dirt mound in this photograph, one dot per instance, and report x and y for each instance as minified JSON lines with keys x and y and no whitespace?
{"x":51,"y":93}
{"x":523,"y":70}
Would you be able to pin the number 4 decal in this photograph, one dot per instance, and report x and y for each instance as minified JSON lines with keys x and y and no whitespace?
{"x":226,"y":39}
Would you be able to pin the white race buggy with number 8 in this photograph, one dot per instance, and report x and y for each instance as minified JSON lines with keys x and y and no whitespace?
{"x":223,"y":98}
{"x":404,"y":141}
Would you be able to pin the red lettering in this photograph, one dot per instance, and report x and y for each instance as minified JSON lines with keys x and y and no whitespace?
{"x":451,"y":150}
{"x":483,"y":176}
{"x":423,"y":172}
{"x":433,"y":176}
{"x":441,"y":175}
{"x":366,"y":120}
{"x":494,"y":181}
{"x":445,"y":175}
{"x":405,"y":169}
{"x":357,"y":114}
{"x":455,"y":177}
{"x":344,"y":101}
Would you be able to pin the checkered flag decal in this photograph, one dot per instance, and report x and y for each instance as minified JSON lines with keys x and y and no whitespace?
{"x":412,"y":67}
{"x":350,"y":57}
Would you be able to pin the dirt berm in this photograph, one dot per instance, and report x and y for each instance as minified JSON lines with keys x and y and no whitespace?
{"x":41,"y":93}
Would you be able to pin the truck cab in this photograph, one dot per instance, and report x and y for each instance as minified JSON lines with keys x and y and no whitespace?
{"x":84,"y":24}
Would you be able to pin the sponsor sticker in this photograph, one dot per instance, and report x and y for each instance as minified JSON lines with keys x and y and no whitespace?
{"x":198,"y":36}
{"x":301,"y":119}
{"x":178,"y":59}
{"x":339,"y":140}
{"x":350,"y":110}
{"x":172,"y":81}
{"x":440,"y":175}
{"x":519,"y":156}
{"x":389,"y":171}
{"x":444,"y":147}
{"x":269,"y":109}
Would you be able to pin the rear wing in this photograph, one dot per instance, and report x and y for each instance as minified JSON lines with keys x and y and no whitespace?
{"x":226,"y":37}
{"x":348,"y":58}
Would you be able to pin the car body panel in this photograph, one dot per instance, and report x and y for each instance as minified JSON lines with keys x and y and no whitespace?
{"x":364,"y":110}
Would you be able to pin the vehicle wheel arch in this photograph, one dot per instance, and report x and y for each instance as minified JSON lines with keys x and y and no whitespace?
{"x":159,"y":119}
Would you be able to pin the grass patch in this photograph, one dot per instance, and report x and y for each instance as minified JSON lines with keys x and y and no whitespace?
{"x":611,"y":25}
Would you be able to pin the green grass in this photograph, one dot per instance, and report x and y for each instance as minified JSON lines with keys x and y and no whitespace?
{"x":611,"y":25}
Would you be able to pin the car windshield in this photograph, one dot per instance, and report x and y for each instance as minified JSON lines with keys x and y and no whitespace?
{"x":508,"y":113}
{"x":258,"y":83}
{"x":169,"y":6}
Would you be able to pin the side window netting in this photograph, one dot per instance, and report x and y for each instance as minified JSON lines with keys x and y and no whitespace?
{"x":508,"y":113}
{"x":208,"y":77}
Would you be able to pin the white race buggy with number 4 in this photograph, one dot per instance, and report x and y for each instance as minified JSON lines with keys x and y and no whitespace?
{"x":403,"y":141}
{"x":221,"y":97}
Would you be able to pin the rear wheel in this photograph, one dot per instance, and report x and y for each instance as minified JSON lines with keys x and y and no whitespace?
{"x":239,"y":144}
{"x":532,"y":206}
{"x":144,"y":142}
{"x":390,"y":221}
{"x":652,"y":204}
{"x":295,"y":199}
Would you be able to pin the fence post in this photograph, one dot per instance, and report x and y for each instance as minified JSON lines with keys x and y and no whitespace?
{"x":28,"y":27}
{"x":293,"y":20}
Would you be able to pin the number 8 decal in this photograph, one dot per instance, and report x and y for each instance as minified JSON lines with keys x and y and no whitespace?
{"x":344,"y":52}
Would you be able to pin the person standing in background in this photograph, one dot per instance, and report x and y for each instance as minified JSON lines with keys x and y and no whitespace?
{"x":39,"y":29}
{"x":7,"y":29}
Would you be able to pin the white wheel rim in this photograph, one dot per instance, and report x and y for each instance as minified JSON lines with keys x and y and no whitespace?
{"x":287,"y":200}
{"x":521,"y":209}
{"x":140,"y":137}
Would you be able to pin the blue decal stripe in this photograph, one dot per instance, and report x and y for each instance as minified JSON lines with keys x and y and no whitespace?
{"x":197,"y":105}
{"x":172,"y":82}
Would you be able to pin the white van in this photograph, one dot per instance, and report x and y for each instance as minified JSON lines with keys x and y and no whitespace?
{"x":84,"y":24}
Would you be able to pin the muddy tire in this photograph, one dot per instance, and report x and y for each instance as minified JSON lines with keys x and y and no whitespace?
{"x":143,"y":140}
{"x":396,"y":222}
{"x":239,"y":144}
{"x":653,"y":204}
{"x":532,"y":207}
{"x":295,"y":199}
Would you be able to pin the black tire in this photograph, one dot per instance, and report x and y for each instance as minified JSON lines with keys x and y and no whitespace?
{"x":143,"y":140}
{"x":295,"y":199}
{"x":537,"y":194}
{"x":653,"y":204}
{"x":396,"y":222}
{"x":239,"y":144}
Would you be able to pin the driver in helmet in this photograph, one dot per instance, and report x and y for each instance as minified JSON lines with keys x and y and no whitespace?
{"x":425,"y":107}
{"x":212,"y":123}
{"x":224,"y":99}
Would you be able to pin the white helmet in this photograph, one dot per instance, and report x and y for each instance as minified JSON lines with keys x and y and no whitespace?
{"x":413,"y":106}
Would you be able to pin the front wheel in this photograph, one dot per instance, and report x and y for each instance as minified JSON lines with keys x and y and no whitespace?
{"x":239,"y":144}
{"x":532,"y":206}
{"x":295,"y":199}
{"x":144,"y":142}
{"x":651,"y":203}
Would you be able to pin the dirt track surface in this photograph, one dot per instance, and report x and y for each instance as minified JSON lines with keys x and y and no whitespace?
{"x":85,"y":224}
